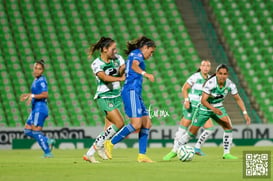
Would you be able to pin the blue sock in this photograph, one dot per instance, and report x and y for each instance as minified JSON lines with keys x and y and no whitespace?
{"x":143,"y":140}
{"x":125,"y":131}
{"x":28,"y":132}
{"x":42,"y":140}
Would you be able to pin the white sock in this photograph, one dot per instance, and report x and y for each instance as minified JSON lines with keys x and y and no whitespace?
{"x":202,"y":138}
{"x":107,"y":134}
{"x":182,"y":141}
{"x":227,"y":141}
{"x":91,"y":151}
{"x":178,"y":135}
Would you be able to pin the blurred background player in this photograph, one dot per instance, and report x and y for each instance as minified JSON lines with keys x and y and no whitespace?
{"x":39,"y":110}
{"x":215,"y":90}
{"x":138,"y":51}
{"x":192,"y":91}
{"x":108,"y":68}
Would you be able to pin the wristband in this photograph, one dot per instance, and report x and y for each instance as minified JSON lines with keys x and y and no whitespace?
{"x":143,"y":72}
{"x":186,"y":99}
{"x":244,"y":112}
{"x":32,"y":95}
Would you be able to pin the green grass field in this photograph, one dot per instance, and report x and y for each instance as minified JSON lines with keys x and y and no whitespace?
{"x":28,"y":165}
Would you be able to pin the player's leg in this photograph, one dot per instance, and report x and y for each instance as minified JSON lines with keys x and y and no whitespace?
{"x":144,"y":135}
{"x":44,"y":142}
{"x":197,"y":122}
{"x":116,"y":119}
{"x":131,"y":105}
{"x":28,"y":126}
{"x":113,"y":119}
{"x":226,"y":124}
{"x":208,"y":130}
{"x":182,"y":129}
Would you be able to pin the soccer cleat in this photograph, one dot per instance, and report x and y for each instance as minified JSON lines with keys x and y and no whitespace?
{"x":142,"y":158}
{"x":199,"y":152}
{"x":90,"y":159}
{"x":48,"y":155}
{"x":51,"y":143}
{"x":108,"y":148}
{"x":101,"y":152}
{"x":169,"y":156}
{"x":229,"y":156}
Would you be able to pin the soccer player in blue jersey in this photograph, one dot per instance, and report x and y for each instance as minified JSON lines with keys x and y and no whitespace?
{"x":38,"y":99}
{"x":138,"y":51}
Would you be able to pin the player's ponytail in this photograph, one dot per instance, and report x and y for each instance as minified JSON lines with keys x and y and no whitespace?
{"x":139,"y":43}
{"x":104,"y":42}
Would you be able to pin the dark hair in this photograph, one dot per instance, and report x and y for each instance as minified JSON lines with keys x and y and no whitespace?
{"x":221,"y":66}
{"x":41,"y":62}
{"x":139,"y":43}
{"x":103,"y":42}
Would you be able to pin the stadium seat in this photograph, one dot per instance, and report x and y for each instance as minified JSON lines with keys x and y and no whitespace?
{"x":247,"y":33}
{"x":61,"y":32}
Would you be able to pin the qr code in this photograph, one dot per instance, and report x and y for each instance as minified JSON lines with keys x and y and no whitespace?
{"x":257,"y":164}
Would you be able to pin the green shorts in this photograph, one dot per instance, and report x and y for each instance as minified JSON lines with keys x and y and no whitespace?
{"x":109,"y":104}
{"x":203,"y":115}
{"x":189,"y":113}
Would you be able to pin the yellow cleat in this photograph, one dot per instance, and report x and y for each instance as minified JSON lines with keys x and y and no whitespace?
{"x":142,"y":158}
{"x":108,"y":148}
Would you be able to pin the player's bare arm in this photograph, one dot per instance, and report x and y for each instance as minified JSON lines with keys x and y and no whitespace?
{"x":137,"y":69}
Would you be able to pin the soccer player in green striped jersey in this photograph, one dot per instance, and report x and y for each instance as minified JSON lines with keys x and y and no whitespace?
{"x":215,"y":90}
{"x":109,"y":70}
{"x":192,"y":91}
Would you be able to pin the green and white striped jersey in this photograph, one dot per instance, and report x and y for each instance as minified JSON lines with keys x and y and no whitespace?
{"x":196,"y":82}
{"x":107,"y":89}
{"x":217,"y":94}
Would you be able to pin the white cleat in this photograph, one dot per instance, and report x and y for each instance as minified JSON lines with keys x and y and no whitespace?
{"x":101,"y":152}
{"x":90,"y":159}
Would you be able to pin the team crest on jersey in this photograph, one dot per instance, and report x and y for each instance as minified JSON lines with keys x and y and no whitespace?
{"x":226,"y":91}
{"x":43,"y":85}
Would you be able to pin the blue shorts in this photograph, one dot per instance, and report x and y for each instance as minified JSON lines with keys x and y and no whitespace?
{"x":36,"y":119}
{"x":133,"y":104}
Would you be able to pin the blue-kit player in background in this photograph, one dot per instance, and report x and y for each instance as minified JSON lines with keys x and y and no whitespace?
{"x":137,"y":50}
{"x":39,"y":112}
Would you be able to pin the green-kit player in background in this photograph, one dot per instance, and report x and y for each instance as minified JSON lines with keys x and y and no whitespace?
{"x":215,"y":90}
{"x":191,"y":92}
{"x":109,"y":70}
